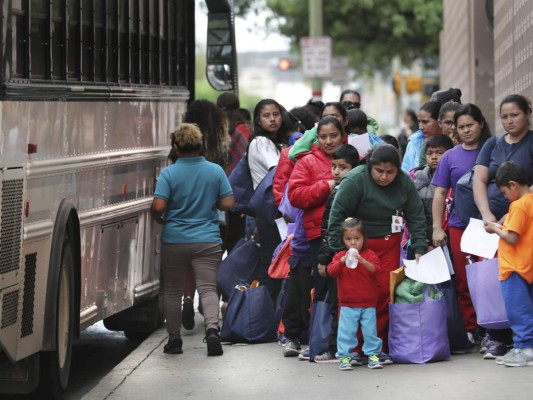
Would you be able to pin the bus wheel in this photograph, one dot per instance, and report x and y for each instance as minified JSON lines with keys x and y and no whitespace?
{"x":55,"y":365}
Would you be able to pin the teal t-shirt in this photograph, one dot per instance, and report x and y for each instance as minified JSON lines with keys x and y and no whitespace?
{"x":191,"y":187}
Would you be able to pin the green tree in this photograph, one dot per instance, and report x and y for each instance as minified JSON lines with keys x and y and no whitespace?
{"x":369,"y":32}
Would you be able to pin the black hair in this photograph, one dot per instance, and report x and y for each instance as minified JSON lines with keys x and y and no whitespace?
{"x":212,"y":123}
{"x":350,"y":223}
{"x":347,"y":153}
{"x":330,"y":119}
{"x":349,"y":91}
{"x":522,"y":102}
{"x":340,"y":108}
{"x":258,"y":131}
{"x":306,"y":120}
{"x":432,"y":108}
{"x":245,"y":115}
{"x":447,"y":107}
{"x":356,"y":120}
{"x":384,"y":153}
{"x":414,"y":118}
{"x":389,"y":139}
{"x":474,"y":111}
{"x":511,"y":171}
{"x":439,"y":140}
{"x":315,"y":107}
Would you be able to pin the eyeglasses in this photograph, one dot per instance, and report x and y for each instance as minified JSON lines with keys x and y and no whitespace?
{"x":351,"y":104}
{"x":447,"y":123}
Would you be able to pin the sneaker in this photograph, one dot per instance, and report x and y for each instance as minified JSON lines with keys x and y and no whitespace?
{"x":173,"y":347}
{"x":518,"y":358}
{"x":374,"y":362}
{"x":484,"y":343}
{"x":345,"y":364}
{"x":326,"y":358}
{"x":385,"y":359}
{"x":187,"y":314}
{"x":212,"y":338}
{"x":304,"y":355}
{"x":282,"y":340}
{"x":292,"y":348}
{"x":494,"y":349}
{"x":356,"y":359}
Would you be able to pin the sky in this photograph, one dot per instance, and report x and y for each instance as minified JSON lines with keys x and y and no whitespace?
{"x":248,"y":36}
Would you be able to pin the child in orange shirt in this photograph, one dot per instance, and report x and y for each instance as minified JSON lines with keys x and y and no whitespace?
{"x":515,"y":259}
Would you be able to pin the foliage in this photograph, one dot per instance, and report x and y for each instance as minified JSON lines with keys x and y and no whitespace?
{"x":369,"y":32}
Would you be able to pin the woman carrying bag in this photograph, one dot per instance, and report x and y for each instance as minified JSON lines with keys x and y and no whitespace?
{"x":381,"y":195}
{"x":516,"y":145}
{"x":187,"y":196}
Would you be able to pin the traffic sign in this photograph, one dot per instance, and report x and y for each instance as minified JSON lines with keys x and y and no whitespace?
{"x":316,"y":56}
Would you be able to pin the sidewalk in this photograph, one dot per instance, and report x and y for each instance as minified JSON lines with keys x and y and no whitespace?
{"x":260,"y":372}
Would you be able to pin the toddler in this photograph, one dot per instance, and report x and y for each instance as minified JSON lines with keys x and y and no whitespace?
{"x":357,"y":295}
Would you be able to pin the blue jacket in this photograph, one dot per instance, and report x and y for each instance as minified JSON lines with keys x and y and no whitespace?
{"x":411,"y":158}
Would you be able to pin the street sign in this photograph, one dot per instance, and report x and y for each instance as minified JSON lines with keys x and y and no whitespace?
{"x":316,"y":56}
{"x":340,"y":72}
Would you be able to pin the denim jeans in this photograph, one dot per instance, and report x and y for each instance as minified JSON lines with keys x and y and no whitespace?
{"x":347,"y":331}
{"x":518,"y":299}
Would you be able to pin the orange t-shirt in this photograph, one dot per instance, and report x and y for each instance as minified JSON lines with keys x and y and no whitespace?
{"x":519,"y":257}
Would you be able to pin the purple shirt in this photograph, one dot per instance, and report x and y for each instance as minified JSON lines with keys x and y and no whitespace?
{"x":453,"y":165}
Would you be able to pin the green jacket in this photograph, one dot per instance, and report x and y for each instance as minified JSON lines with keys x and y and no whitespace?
{"x":359,"y":196}
{"x":310,"y":137}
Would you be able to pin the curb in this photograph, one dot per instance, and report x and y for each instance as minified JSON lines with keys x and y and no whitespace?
{"x":122,"y":371}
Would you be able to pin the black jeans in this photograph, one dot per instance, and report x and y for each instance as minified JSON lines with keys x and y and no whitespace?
{"x":296,"y":315}
{"x":268,"y":239}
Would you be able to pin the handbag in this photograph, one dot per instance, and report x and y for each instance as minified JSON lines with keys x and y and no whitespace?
{"x":280,"y":268}
{"x":319,"y":328}
{"x":456,"y":328}
{"x":463,"y":205}
{"x":262,"y":202}
{"x":249,"y":317}
{"x":486,"y":294}
{"x":242,"y":185}
{"x":418,"y":332}
{"x":239,"y":266}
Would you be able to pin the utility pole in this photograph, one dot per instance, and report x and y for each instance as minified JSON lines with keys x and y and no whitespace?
{"x":315,"y":30}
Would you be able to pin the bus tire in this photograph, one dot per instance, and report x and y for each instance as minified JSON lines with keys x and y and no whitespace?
{"x":55,"y":365}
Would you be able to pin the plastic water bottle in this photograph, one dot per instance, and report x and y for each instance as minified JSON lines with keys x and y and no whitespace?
{"x":351,"y":258}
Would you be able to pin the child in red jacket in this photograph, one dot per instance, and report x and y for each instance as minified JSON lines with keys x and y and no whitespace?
{"x":357,"y":296}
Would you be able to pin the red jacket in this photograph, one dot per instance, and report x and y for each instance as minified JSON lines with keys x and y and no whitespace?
{"x":282,"y":175}
{"x":309,"y":189}
{"x":356,"y":287}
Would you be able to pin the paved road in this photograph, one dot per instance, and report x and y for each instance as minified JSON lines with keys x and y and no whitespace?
{"x":260,"y":372}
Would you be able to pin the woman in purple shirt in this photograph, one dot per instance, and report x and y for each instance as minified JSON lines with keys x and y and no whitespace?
{"x":473,"y":132}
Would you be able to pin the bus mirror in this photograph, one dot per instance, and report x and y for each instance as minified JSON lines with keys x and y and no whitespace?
{"x":221,"y":54}
{"x":219,"y":76}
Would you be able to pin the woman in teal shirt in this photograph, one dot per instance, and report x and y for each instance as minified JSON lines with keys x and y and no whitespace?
{"x":187,"y":196}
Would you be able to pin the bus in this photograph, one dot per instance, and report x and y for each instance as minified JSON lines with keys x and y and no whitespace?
{"x":89,"y":92}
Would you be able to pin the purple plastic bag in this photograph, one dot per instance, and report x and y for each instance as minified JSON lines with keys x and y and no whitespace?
{"x":418,"y":332}
{"x":486,"y":294}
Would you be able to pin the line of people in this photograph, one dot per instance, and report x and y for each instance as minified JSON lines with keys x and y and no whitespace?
{"x":376,"y":203}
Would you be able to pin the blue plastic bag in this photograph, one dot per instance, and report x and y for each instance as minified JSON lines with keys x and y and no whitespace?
{"x":319,"y":329}
{"x":239,"y":266}
{"x":249,"y":317}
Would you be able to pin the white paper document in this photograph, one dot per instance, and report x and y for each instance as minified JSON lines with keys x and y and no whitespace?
{"x":360,"y":142}
{"x":477,"y":241}
{"x":431,"y":268}
{"x":282,"y":227}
